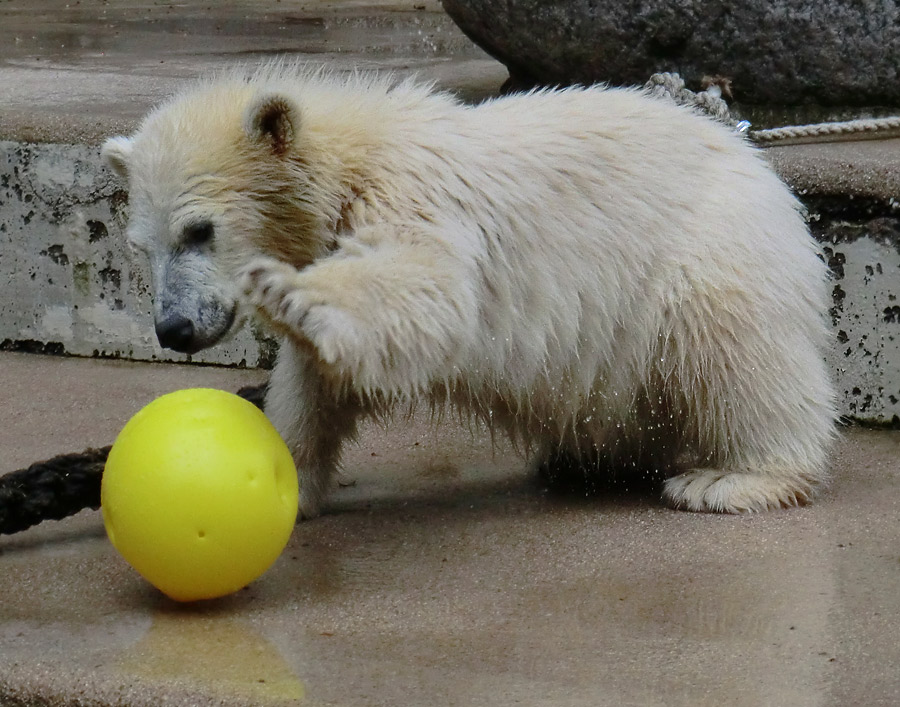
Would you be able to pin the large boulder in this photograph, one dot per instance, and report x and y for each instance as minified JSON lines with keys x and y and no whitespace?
{"x":781,"y":52}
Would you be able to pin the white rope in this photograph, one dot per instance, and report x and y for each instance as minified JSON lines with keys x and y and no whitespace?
{"x":710,"y":101}
{"x":863,"y":129}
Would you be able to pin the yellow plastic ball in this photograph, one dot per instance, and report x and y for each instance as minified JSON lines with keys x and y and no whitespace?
{"x":199,"y":493}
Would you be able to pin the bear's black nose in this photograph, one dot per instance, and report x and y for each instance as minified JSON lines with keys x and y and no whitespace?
{"x":176,"y":333}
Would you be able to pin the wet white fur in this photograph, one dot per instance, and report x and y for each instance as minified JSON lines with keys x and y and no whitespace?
{"x":591,"y":270}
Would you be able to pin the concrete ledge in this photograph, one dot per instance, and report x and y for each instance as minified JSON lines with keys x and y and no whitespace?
{"x":71,"y":287}
{"x":76,"y":71}
{"x":852,"y":169}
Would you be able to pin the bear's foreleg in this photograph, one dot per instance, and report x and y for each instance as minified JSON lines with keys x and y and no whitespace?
{"x":385,"y":323}
{"x":311,"y":419}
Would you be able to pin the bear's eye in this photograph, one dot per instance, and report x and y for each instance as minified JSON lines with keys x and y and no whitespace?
{"x":199,"y":233}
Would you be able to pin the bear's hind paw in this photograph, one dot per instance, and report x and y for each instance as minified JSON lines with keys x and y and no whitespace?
{"x":736,"y":491}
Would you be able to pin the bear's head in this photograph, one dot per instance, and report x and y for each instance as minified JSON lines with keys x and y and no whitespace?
{"x":216,"y":177}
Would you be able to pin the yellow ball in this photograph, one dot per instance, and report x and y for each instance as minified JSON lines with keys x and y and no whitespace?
{"x":199,"y":493}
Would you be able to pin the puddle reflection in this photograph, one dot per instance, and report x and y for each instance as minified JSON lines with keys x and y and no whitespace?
{"x":213,"y":655}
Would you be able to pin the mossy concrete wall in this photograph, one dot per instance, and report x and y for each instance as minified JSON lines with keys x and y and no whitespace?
{"x":68,"y":283}
{"x":863,"y":253}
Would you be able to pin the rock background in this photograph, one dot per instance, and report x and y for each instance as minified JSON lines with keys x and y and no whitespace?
{"x":779,"y":52}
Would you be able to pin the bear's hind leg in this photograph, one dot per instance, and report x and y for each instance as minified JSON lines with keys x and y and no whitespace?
{"x":770,"y":450}
{"x":757,"y":403}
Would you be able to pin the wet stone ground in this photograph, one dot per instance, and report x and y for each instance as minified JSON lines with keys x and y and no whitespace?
{"x":446,"y":574}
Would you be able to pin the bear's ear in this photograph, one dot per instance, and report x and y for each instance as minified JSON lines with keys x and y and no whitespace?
{"x":115,"y":152}
{"x":272,"y":120}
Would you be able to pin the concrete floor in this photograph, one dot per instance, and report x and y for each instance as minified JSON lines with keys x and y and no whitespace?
{"x":447,"y":576}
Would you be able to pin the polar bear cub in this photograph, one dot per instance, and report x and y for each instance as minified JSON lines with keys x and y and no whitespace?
{"x":607,"y":277}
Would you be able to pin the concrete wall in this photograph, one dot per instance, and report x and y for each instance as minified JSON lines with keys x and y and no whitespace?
{"x":67,"y":284}
{"x":864,"y":257}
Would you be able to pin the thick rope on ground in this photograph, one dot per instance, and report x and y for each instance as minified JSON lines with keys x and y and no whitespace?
{"x":51,"y":490}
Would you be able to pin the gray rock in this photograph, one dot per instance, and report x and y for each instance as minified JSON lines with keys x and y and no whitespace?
{"x":780,"y":52}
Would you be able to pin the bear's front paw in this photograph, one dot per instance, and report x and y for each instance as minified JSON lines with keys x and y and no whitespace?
{"x":274,"y":289}
{"x":292,"y":302}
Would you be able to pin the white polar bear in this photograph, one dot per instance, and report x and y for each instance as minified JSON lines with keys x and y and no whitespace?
{"x":606,"y":276}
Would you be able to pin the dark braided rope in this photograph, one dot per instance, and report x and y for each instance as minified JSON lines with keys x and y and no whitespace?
{"x":62,"y":486}
{"x":51,"y":490}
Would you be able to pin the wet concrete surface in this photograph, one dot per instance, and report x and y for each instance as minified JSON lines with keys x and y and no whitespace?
{"x":447,"y":576}
{"x":76,"y":71}
{"x":864,"y":169}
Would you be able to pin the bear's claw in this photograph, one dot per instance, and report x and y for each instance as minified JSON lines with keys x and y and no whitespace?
{"x":272,"y":287}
